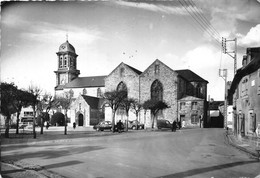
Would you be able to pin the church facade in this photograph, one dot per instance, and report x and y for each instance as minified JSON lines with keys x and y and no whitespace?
{"x":184,"y":91}
{"x":158,"y":81}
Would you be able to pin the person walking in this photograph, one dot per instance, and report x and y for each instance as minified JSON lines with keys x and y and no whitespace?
{"x":119,"y":126}
{"x":174,"y":126}
{"x":74,"y":125}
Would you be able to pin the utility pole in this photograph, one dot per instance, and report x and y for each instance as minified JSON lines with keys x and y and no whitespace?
{"x":223,"y":74}
{"x":232,"y":54}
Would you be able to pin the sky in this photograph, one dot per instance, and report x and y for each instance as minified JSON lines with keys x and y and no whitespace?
{"x":183,"y":35}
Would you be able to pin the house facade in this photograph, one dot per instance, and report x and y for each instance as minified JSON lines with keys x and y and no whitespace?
{"x":245,"y":92}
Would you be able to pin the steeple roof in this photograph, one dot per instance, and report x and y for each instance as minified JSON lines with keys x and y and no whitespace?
{"x":66,"y":47}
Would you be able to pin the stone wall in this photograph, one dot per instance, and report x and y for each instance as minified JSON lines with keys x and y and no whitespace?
{"x":168,"y":78}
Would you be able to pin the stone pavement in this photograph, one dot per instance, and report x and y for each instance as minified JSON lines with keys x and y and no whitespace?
{"x":11,"y":170}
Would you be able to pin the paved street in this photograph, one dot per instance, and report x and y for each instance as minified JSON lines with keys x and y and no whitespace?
{"x":187,"y":153}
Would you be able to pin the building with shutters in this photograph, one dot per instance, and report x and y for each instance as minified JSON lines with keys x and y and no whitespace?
{"x":245,"y":94}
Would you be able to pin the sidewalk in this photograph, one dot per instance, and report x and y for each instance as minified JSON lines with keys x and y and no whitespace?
{"x":250,"y":145}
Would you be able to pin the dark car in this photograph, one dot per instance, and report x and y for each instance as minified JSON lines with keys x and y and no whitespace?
{"x":104,"y":125}
{"x":135,"y":125}
{"x":161,"y":123}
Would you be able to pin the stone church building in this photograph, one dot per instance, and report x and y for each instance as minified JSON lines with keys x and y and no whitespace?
{"x":183,"y":90}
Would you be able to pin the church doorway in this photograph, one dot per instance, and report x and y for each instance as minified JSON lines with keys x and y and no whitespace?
{"x":80,"y":119}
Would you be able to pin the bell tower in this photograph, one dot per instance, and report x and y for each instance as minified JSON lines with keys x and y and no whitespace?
{"x":67,"y":65}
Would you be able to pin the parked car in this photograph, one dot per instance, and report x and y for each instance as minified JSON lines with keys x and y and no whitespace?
{"x":161,"y":123}
{"x":135,"y":125}
{"x":103,"y":125}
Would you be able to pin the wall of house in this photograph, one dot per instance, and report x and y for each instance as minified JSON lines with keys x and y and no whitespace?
{"x":187,"y":113}
{"x":90,"y":91}
{"x":248,"y":104}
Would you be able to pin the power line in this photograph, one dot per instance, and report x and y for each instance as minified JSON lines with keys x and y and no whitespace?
{"x":203,"y":18}
{"x":201,"y":25}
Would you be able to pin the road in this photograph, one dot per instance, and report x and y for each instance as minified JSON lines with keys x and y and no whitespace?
{"x":188,"y":153}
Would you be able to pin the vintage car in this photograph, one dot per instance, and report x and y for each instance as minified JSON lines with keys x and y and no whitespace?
{"x":162,"y":123}
{"x":135,"y":125}
{"x":103,"y":125}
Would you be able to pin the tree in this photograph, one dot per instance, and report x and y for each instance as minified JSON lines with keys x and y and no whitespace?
{"x":126,"y":104}
{"x":44,"y":106}
{"x":34,"y":100}
{"x":136,"y":108}
{"x":8,"y":95}
{"x":64,"y":102}
{"x":154,"y":106}
{"x":114,"y":99}
{"x":22,"y":99}
{"x":58,"y":118}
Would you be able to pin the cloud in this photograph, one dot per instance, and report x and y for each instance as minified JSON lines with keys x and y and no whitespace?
{"x":50,"y":33}
{"x":205,"y":61}
{"x":225,"y":14}
{"x":155,"y":7}
{"x":251,"y":39}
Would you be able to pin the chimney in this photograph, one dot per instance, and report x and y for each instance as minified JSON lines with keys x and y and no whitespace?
{"x":244,"y":61}
{"x":248,"y":55}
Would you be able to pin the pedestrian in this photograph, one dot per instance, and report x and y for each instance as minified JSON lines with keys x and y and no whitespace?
{"x":174,"y":126}
{"x":74,"y":125}
{"x":119,"y":126}
{"x":47,"y":125}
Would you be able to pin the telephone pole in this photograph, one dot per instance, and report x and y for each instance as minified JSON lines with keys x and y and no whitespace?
{"x":223,"y":74}
{"x":232,"y":54}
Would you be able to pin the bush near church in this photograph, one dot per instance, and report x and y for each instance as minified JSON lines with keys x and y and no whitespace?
{"x":58,"y":119}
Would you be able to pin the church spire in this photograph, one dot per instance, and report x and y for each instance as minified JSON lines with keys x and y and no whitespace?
{"x":67,"y":36}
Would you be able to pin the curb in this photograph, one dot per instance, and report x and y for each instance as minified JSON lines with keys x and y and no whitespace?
{"x":252,"y":153}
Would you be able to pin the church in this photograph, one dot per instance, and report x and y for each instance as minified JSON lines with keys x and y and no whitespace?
{"x":184,"y":91}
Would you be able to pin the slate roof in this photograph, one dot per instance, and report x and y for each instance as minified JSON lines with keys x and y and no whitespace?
{"x":253,"y":66}
{"x":93,"y":102}
{"x":82,"y":82}
{"x":190,"y":76}
{"x":190,"y":98}
{"x":134,"y":69}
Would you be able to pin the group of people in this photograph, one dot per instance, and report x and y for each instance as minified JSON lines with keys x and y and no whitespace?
{"x":176,"y":125}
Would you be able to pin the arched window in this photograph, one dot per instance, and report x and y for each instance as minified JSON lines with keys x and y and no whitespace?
{"x":71,"y":93}
{"x":84,"y":91}
{"x":157,"y":90}
{"x":98,"y":92}
{"x":121,"y":87}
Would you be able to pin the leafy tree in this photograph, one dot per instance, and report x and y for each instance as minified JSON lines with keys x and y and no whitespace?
{"x":114,"y":99}
{"x":8,"y":95}
{"x":126,"y":104}
{"x":44,"y":106}
{"x":58,"y":118}
{"x":22,"y":99}
{"x":34,"y":100}
{"x":136,"y":108}
{"x":64,"y":102}
{"x":154,"y":106}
